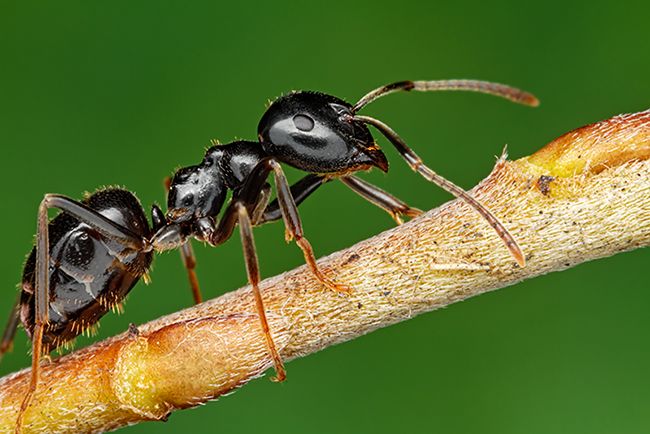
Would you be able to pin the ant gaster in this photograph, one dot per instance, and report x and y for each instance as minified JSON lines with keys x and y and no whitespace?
{"x":88,"y":258}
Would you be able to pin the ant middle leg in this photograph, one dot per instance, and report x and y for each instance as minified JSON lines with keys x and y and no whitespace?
{"x":253,"y":271}
{"x":247,"y":202}
{"x":238,"y":213}
{"x":294,"y":227}
{"x":375,"y":195}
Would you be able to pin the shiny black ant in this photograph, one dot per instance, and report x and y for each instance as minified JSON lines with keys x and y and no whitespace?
{"x":88,"y":258}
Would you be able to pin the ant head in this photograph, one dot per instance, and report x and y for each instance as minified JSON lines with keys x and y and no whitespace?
{"x":316,"y":133}
{"x":197,"y":191}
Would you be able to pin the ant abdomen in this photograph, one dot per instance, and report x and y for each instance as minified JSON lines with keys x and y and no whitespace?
{"x":89,"y":274}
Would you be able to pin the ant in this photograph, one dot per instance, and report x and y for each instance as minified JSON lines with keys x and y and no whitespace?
{"x":87,"y":258}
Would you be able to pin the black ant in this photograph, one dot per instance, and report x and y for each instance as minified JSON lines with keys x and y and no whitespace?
{"x":88,"y":258}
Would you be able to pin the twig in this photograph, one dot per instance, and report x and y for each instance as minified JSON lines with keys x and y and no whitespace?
{"x":584,"y":196}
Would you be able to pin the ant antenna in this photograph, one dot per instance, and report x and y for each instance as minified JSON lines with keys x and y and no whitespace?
{"x":418,"y":166}
{"x":510,"y":93}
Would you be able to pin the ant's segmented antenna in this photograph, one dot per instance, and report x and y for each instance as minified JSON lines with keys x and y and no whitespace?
{"x":415,"y":162}
{"x":510,"y":93}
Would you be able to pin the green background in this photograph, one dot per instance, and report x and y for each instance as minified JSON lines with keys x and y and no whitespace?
{"x":93,"y":95}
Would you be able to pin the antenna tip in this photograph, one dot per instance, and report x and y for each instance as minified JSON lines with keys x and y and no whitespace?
{"x":530,"y":100}
{"x":520,"y":258}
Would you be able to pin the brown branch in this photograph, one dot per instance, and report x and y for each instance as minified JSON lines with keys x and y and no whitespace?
{"x":584,"y":196}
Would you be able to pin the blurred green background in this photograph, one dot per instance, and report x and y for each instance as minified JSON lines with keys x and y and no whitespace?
{"x":124,"y":93}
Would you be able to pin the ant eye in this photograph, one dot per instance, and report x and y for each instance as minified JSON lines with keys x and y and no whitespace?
{"x":303,"y":122}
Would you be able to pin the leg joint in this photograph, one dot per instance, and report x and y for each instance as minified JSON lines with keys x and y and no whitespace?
{"x":240,"y":208}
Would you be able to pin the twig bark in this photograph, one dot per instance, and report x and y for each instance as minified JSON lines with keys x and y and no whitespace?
{"x":585,"y":195}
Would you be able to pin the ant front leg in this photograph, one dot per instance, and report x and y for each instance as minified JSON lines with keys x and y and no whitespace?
{"x":375,"y":195}
{"x":294,"y":227}
{"x":299,"y":191}
{"x":262,"y":205}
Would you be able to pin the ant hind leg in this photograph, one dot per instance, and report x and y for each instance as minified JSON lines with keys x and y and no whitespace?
{"x":41,"y":304}
{"x":98,"y":222}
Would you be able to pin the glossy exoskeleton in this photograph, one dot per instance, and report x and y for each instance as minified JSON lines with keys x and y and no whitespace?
{"x":320,"y":133}
{"x":87,"y":259}
{"x":85,"y":262}
{"x":89,"y":272}
{"x":316,"y":133}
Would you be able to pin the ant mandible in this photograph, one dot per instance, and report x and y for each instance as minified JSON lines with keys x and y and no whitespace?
{"x":88,"y":258}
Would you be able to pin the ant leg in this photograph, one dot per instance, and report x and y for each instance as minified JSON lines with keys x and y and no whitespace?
{"x":98,"y":222}
{"x":417,"y":165}
{"x":389,"y":203}
{"x":249,"y":194}
{"x":262,"y":204}
{"x":294,"y":227}
{"x":245,"y":201}
{"x":41,"y":303}
{"x":189,"y":261}
{"x":252,"y":193}
{"x":300,"y":191}
{"x":253,"y":271}
{"x":307,"y":185}
{"x":10,"y":329}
